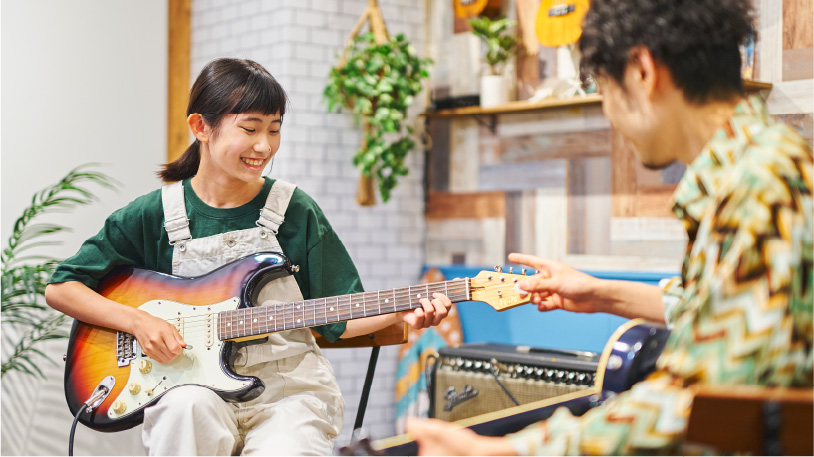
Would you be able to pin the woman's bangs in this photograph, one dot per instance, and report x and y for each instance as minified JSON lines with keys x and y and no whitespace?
{"x":260,"y":94}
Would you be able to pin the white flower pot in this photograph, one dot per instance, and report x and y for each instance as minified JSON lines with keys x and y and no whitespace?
{"x":493,"y":91}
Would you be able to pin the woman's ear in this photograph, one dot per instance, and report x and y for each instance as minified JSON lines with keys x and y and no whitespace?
{"x":198,"y":127}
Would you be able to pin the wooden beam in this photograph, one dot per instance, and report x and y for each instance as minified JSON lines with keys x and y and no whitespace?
{"x":179,"y":32}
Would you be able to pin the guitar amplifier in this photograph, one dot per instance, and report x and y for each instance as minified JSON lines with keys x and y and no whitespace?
{"x":474,"y":379}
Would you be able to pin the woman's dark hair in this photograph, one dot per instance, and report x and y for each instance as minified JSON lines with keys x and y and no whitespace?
{"x":697,"y":40}
{"x":226,"y":86}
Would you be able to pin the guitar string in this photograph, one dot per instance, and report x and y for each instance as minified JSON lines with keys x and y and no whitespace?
{"x":193,"y":321}
{"x":289,"y":313}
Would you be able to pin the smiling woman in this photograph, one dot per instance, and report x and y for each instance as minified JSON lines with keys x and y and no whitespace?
{"x":219,"y":208}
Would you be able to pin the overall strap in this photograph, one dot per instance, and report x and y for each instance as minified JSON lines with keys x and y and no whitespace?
{"x":271,"y":216}
{"x":176,"y":222}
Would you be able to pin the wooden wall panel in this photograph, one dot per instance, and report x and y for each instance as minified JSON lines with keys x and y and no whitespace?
{"x":448,"y":205}
{"x":178,"y":77}
{"x":596,"y":143}
{"x":798,"y":40}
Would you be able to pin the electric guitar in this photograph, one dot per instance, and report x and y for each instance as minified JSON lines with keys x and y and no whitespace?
{"x":213,"y":311}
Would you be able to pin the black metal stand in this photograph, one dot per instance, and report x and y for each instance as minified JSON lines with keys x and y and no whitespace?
{"x":371,"y":369}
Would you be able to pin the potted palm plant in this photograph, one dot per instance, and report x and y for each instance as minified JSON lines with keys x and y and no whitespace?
{"x":500,"y":47}
{"x":26,"y":320}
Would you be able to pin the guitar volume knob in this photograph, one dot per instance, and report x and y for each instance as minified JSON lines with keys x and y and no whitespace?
{"x":119,"y":407}
{"x":134,"y":388}
{"x":145,"y":366}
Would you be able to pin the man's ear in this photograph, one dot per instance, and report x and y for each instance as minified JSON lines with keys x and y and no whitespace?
{"x":642,"y":71}
{"x":198,"y":127}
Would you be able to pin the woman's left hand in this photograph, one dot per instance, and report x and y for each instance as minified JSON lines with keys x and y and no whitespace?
{"x":431,"y":312}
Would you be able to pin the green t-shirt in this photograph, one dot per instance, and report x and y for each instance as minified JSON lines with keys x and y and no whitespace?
{"x":135,"y":235}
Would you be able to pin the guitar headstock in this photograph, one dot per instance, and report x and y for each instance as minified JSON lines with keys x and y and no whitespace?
{"x":498,"y":288}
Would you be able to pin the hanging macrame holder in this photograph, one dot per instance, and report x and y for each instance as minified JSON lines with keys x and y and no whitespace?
{"x":365,"y":195}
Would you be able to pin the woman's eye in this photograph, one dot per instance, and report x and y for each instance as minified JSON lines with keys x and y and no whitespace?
{"x":248,"y":130}
{"x":274,"y":132}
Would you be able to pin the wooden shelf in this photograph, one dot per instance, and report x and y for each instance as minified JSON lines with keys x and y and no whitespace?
{"x":519,"y":106}
{"x":550,"y":103}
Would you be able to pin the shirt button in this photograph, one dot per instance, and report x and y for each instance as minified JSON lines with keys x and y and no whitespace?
{"x":231,"y":243}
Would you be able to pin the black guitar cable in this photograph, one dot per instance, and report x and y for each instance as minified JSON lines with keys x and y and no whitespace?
{"x":73,"y":431}
{"x":495,"y":371}
{"x":96,"y":398}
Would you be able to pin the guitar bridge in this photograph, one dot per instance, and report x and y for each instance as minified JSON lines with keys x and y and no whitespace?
{"x":125,"y":350}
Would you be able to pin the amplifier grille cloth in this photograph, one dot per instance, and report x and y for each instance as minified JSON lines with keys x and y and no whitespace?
{"x":490,"y":395}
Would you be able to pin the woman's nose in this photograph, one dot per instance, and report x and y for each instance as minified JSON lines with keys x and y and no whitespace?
{"x":262,"y":146}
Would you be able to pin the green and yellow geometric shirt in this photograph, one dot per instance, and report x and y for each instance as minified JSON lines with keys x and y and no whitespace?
{"x":741,"y":313}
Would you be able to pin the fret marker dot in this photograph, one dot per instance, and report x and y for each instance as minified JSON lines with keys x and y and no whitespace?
{"x":332,"y":308}
{"x":271,"y":318}
{"x":357,"y":305}
{"x":386,"y":300}
{"x":298,"y":321}
{"x":255,"y":320}
{"x":241,"y":322}
{"x":228,"y":324}
{"x":298,"y":306}
{"x":417,"y":295}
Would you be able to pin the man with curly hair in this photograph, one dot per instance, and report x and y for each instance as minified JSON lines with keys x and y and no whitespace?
{"x":741,"y":312}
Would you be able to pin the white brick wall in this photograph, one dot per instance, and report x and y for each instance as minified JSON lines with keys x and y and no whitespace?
{"x":298,"y":42}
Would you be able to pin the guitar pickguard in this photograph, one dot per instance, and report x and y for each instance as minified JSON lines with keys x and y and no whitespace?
{"x":199,"y":364}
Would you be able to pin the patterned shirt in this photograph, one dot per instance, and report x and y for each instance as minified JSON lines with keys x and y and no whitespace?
{"x":742,"y":311}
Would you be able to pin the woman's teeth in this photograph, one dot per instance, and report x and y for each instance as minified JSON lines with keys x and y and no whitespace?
{"x":252,"y":162}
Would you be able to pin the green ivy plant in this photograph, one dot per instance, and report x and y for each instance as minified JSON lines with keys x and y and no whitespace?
{"x":500,"y":47}
{"x":26,"y":273}
{"x":377,"y":83}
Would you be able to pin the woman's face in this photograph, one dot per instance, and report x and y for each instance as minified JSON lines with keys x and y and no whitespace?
{"x":244,"y":144}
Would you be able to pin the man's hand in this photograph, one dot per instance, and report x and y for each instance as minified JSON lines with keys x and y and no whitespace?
{"x":436,"y":437}
{"x":558,"y":286}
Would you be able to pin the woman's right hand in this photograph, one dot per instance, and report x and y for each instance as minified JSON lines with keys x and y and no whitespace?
{"x":158,"y":338}
{"x":559,"y":286}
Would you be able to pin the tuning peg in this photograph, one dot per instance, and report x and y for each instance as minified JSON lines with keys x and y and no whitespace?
{"x":523,"y":271}
{"x":498,"y":269}
{"x":510,"y":270}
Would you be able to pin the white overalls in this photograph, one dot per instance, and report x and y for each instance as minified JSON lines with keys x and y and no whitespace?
{"x":301,"y":409}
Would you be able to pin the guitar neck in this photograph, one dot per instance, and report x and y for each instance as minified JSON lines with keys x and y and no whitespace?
{"x":245,"y":323}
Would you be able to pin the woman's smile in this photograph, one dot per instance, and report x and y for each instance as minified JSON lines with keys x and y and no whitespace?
{"x":253,"y":163}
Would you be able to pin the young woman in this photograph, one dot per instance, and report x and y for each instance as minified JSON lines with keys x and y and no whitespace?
{"x":219,"y":208}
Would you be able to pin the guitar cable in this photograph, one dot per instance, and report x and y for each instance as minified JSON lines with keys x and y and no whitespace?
{"x":495,"y":372}
{"x":99,"y":395}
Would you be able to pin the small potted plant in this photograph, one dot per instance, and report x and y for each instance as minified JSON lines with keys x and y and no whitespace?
{"x":500,"y":47}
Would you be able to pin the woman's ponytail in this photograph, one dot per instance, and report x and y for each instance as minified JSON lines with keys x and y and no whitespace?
{"x":183,"y":167}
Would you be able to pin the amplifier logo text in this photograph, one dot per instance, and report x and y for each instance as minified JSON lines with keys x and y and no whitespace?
{"x":455,"y":398}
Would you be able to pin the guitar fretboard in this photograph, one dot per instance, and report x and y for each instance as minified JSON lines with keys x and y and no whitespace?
{"x":261,"y":320}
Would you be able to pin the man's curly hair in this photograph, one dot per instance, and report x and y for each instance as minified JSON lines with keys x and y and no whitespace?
{"x":697,"y":40}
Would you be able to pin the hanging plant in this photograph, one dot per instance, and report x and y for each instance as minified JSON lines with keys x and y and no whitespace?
{"x":377,"y":80}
